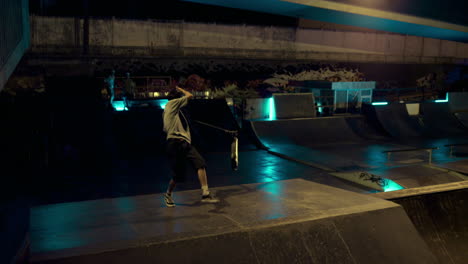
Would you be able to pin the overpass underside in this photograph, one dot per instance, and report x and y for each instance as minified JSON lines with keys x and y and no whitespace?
{"x":152,"y":39}
{"x":437,"y":19}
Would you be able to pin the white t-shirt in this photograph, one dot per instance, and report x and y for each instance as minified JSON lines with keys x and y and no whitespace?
{"x":175,"y":123}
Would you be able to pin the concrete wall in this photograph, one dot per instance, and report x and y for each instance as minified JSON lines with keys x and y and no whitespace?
{"x":14,"y":36}
{"x":153,"y":38}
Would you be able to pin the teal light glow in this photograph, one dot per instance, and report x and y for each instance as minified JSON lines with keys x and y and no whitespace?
{"x":125,"y":204}
{"x":267,"y":179}
{"x":380,"y":103}
{"x":373,"y":155}
{"x":119,"y":106}
{"x":163,"y":103}
{"x":273,"y":188}
{"x":443,"y":100}
{"x":276,"y":208}
{"x":70,"y":217}
{"x":391,"y":186}
{"x":320,"y":108}
{"x":271,"y":104}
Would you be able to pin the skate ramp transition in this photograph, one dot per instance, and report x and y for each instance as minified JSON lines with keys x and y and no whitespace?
{"x":291,"y":221}
{"x":459,"y":106}
{"x":463,"y":118}
{"x":434,"y":120}
{"x":338,"y":143}
{"x":305,"y":131}
{"x":294,"y":138}
{"x":440,"y":120}
{"x":440,"y":214}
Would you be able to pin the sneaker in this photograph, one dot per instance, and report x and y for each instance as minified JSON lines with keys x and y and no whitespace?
{"x":169,"y":201}
{"x":209,"y":199}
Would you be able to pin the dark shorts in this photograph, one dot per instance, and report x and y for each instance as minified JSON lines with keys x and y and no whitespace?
{"x":180,"y":152}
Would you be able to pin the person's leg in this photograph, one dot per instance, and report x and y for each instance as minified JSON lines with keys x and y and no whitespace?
{"x":168,"y":200}
{"x":203,"y":181}
{"x":177,"y":166}
{"x":171,"y":187}
{"x":199,"y":164}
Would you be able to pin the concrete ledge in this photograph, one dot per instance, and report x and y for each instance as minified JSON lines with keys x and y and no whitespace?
{"x":292,"y":221}
{"x":440,"y":216}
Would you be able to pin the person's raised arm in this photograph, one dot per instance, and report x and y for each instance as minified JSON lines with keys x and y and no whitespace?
{"x":186,"y":93}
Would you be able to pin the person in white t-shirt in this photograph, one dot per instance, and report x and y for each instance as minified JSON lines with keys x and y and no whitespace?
{"x":180,"y":148}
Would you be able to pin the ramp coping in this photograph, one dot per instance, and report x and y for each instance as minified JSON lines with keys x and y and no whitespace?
{"x":421,"y":190}
{"x":307,"y":163}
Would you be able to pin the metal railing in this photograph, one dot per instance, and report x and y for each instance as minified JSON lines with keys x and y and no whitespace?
{"x":451,"y":146}
{"x":389,"y":152}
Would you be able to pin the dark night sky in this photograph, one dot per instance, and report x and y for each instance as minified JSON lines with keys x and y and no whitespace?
{"x":157,"y":9}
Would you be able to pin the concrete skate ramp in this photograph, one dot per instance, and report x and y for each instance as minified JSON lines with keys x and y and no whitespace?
{"x":395,"y":120}
{"x":338,"y":143}
{"x":307,"y":131}
{"x":463,"y":118}
{"x":435,"y":121}
{"x":439,"y":121}
{"x":367,"y":128}
{"x":292,"y":221}
{"x":440,"y":215}
{"x":301,"y":139}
